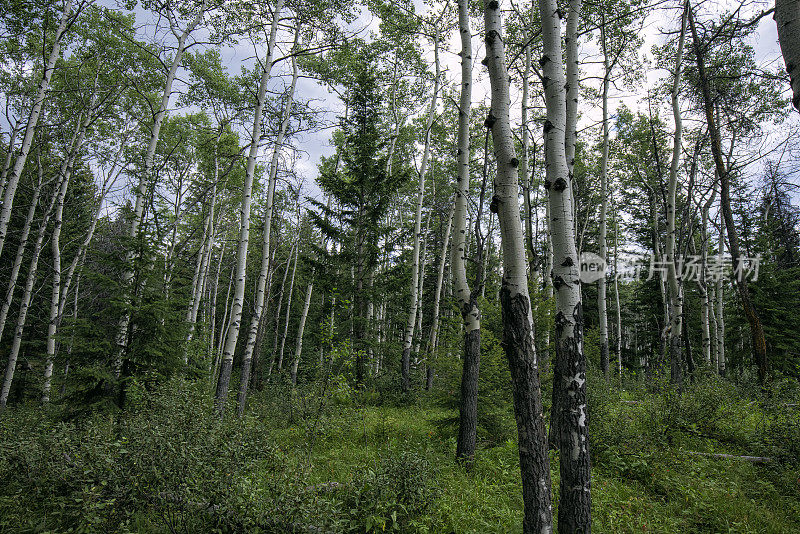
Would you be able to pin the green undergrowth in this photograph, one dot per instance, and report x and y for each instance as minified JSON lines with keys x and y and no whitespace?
{"x":298,"y":463}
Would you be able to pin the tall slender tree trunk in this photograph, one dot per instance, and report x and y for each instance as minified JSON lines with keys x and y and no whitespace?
{"x":433,"y":341}
{"x":468,"y":303}
{"x":601,"y":283}
{"x":141,"y":189}
{"x":55,"y":244}
{"x":23,"y":242}
{"x":616,"y":294}
{"x":514,"y":299}
{"x":278,"y":308}
{"x":415,"y":271}
{"x":741,"y":283}
{"x":288,"y":308}
{"x":570,"y":134}
{"x":574,"y":512}
{"x":298,"y":348}
{"x":25,"y":301}
{"x":244,"y":233}
{"x":721,"y":302}
{"x":673,"y":277}
{"x":258,"y":307}
{"x":12,"y":182}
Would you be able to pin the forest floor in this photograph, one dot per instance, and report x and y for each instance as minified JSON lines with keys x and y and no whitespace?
{"x":356,"y":463}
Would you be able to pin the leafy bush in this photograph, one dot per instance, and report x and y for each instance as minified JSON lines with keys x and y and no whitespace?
{"x":390,"y":497}
{"x":166,"y":462}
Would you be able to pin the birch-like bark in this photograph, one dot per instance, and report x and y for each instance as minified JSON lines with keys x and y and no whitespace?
{"x":569,"y":386}
{"x":601,"y":283}
{"x":25,"y":301}
{"x":55,"y":244}
{"x":433,"y":340}
{"x":288,"y":305}
{"x":258,"y":307}
{"x":673,"y":277}
{"x":415,"y":271}
{"x":298,"y":349}
{"x":232,"y":335}
{"x":705,"y":300}
{"x":141,"y":189}
{"x":721,"y":302}
{"x":9,"y":157}
{"x":524,"y":172}
{"x":787,"y":18}
{"x":757,"y":337}
{"x":278,"y":311}
{"x":19,"y":164}
{"x":23,"y":243}
{"x":514,"y":299}
{"x":569,"y":132}
{"x":467,"y":301}
{"x":616,"y":296}
{"x":206,"y":244}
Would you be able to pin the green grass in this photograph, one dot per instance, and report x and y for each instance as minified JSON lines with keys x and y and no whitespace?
{"x":659,"y":490}
{"x":112,"y":474}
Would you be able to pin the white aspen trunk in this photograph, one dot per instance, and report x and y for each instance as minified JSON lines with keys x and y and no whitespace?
{"x":10,"y":189}
{"x":232,"y":335}
{"x":721,"y":302}
{"x":258,"y":307}
{"x":711,"y":298}
{"x":468,"y":304}
{"x":433,"y":340}
{"x":548,"y":286}
{"x":298,"y":350}
{"x":56,"y":303}
{"x":9,"y":156}
{"x":55,"y":244}
{"x":705,"y":300}
{"x":787,"y":18}
{"x":288,"y":306}
{"x":515,"y":301}
{"x":525,"y":174}
{"x":197,"y":289}
{"x":412,"y":312}
{"x":420,"y":286}
{"x":278,"y":308}
{"x":212,"y":335}
{"x":572,"y":88}
{"x":616,"y":295}
{"x":673,"y":277}
{"x":23,"y":242}
{"x":572,"y":92}
{"x":601,"y":283}
{"x":25,"y":301}
{"x":141,"y":188}
{"x":224,"y":325}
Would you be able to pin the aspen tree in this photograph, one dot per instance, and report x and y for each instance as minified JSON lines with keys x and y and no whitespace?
{"x":145,"y":175}
{"x":258,"y":307}
{"x":574,"y":512}
{"x":514,"y":299}
{"x":12,"y":180}
{"x":467,"y":299}
{"x":415,"y":265}
{"x":673,"y":277}
{"x":232,"y":335}
{"x":787,"y":18}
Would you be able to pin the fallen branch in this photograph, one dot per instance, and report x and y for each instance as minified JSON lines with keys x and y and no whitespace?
{"x":752,"y":459}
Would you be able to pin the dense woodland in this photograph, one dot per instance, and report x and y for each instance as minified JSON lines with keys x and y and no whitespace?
{"x":323,"y":266}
